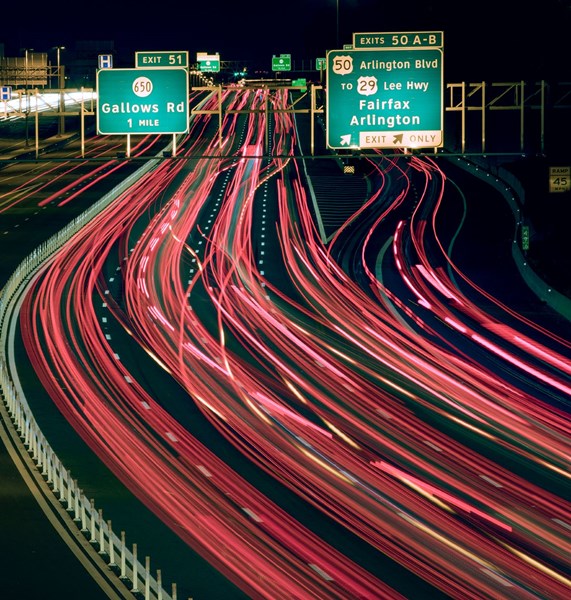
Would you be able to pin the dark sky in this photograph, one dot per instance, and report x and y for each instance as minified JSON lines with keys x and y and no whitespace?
{"x":501,"y":40}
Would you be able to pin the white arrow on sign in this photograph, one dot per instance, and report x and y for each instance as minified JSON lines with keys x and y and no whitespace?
{"x":346,"y":140}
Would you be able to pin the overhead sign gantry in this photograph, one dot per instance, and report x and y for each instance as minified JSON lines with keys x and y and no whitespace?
{"x":386,"y":92}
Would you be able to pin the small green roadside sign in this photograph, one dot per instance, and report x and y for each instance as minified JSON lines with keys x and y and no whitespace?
{"x":525,"y":237}
{"x":301,"y":82}
{"x":320,"y":64}
{"x":142,"y":101}
{"x":385,"y":98}
{"x":281,"y":62}
{"x":161,"y":60}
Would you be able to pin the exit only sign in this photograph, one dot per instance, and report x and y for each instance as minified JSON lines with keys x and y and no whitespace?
{"x":386,"y":92}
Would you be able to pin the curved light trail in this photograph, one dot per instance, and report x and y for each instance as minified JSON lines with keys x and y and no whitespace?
{"x":331,"y":371}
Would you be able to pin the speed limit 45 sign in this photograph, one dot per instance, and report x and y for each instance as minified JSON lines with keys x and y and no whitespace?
{"x":559,"y":179}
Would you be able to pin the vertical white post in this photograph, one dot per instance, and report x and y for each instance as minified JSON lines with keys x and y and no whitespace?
{"x":101,"y":532}
{"x":135,"y":574}
{"x":122,"y":555}
{"x":43,"y":456}
{"x":111,"y":545}
{"x":35,"y":445}
{"x":83,"y":516}
{"x":61,"y":490}
{"x":69,"y":491}
{"x":92,"y":512}
{"x":77,"y":494}
{"x":49,"y":465}
{"x":147,"y":577}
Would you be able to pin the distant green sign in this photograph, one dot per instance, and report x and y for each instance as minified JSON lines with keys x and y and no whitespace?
{"x":161,"y":60}
{"x":525,"y":237}
{"x":208,"y":63}
{"x":320,"y":64}
{"x":142,"y":101}
{"x":281,"y":62}
{"x":384,"y":98}
{"x":301,"y":83}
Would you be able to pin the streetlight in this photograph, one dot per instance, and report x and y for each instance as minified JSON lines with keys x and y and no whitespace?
{"x":337,"y":46}
{"x":60,"y":85}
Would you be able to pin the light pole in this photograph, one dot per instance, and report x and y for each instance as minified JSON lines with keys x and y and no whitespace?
{"x":60,"y":85}
{"x":26,"y":50}
{"x":337,"y":39}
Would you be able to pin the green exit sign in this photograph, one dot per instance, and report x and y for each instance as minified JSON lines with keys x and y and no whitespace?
{"x":281,"y":62}
{"x":142,"y":101}
{"x":418,"y":39}
{"x":383,"y":98}
{"x":161,"y":60}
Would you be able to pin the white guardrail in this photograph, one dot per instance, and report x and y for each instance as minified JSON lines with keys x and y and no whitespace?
{"x":88,"y":520}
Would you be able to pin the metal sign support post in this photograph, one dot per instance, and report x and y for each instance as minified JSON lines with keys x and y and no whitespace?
{"x":37,"y":120}
{"x":82,"y":124}
{"x":522,"y":118}
{"x":483,"y":117}
{"x":220,"y":117}
{"x":311,"y":121}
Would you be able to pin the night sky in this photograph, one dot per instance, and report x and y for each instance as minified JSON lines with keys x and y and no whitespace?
{"x":499,"y":40}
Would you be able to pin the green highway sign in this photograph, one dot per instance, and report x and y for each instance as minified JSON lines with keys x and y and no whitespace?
{"x":301,"y":83}
{"x":208,"y":63}
{"x":281,"y":62}
{"x":383,"y":98}
{"x":320,"y":64}
{"x":142,"y":101}
{"x":525,"y":237}
{"x":418,"y":39}
{"x":161,"y":60}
